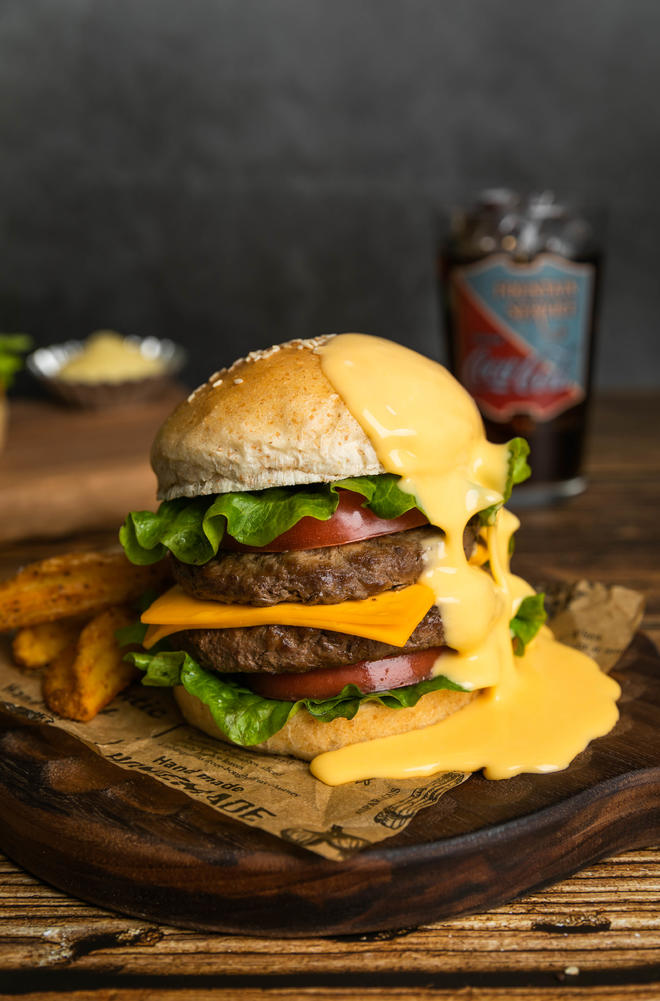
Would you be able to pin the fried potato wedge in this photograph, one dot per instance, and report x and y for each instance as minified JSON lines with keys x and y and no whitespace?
{"x":86,"y":675}
{"x":59,"y":683}
{"x":36,"y":646}
{"x":74,"y":584}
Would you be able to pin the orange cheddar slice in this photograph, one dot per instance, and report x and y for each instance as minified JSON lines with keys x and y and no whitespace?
{"x":390,"y":617}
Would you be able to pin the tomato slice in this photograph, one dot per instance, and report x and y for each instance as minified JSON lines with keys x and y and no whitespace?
{"x":368,"y":675}
{"x":350,"y":523}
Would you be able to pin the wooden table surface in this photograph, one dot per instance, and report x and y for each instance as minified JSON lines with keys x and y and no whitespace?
{"x":63,"y":470}
{"x":596,"y":935}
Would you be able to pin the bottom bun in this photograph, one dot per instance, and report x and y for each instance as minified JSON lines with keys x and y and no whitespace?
{"x":305,"y":737}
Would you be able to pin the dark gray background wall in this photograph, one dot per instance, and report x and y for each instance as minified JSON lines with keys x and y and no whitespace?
{"x":236,"y":172}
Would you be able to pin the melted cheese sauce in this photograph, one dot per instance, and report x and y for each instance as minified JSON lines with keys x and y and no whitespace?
{"x":555,"y":701}
{"x":536,"y":712}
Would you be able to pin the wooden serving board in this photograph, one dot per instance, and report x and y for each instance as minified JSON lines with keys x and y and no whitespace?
{"x":123,"y":841}
{"x":63,"y":469}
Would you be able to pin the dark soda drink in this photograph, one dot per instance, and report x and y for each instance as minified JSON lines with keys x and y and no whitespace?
{"x":519,"y":279}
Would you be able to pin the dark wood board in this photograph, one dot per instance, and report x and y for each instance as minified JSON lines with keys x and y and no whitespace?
{"x":121,"y":840}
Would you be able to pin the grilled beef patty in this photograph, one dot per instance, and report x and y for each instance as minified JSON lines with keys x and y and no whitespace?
{"x":347,"y":572}
{"x":296,"y":649}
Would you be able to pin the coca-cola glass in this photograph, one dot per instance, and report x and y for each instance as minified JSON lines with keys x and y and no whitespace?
{"x":519,"y":280}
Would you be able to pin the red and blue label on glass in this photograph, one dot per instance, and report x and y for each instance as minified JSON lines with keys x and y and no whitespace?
{"x":521,"y":333}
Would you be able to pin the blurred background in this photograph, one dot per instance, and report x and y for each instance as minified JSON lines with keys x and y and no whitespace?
{"x":231,"y":174}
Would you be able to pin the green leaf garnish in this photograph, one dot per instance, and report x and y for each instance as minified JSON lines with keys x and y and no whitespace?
{"x":134,"y":633}
{"x":518,"y":471}
{"x":12,"y":346}
{"x":526,"y":622}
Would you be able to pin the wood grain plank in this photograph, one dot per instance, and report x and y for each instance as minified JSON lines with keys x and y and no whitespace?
{"x":568,"y":987}
{"x":616,"y":902}
{"x":64,"y":470}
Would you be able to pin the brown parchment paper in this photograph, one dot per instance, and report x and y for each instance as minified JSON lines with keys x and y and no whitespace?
{"x":142,"y":730}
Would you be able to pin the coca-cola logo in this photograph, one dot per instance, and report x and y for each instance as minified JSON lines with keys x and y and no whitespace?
{"x":509,"y":375}
{"x":533,"y":362}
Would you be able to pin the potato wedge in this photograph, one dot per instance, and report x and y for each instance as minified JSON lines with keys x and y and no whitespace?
{"x":74,"y":584}
{"x":84,"y":677}
{"x":35,"y":646}
{"x":59,"y":684}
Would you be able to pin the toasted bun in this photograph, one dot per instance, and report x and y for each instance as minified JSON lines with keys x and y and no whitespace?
{"x":272,"y":419}
{"x":305,"y":737}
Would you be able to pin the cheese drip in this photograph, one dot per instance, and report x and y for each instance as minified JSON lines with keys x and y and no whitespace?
{"x":535,"y":713}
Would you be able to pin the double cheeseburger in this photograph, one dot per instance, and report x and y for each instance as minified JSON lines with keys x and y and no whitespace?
{"x":297,"y":623}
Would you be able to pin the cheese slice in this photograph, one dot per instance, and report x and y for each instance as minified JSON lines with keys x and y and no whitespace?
{"x":390,"y":617}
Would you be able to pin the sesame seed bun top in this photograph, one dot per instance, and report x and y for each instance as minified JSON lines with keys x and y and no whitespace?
{"x":271,"y":419}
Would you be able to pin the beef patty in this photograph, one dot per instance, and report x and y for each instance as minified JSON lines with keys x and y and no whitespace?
{"x":348,"y":572}
{"x":296,"y":649}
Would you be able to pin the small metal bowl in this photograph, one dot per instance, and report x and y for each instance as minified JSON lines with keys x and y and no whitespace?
{"x":45,"y":364}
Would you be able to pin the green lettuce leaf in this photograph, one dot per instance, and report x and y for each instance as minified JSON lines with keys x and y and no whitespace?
{"x":135,"y":633}
{"x":526,"y":622}
{"x":193,"y":529}
{"x":519,"y":469}
{"x":383,"y":494}
{"x":248,"y":718}
{"x":518,"y":472}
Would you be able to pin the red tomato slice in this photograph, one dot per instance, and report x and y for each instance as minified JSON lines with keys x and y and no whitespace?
{"x":350,"y":523}
{"x":368,"y":675}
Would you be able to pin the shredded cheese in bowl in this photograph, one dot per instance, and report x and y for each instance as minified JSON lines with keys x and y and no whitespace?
{"x":106,"y":356}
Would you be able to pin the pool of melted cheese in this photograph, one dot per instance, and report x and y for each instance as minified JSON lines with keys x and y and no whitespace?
{"x":533,"y":713}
